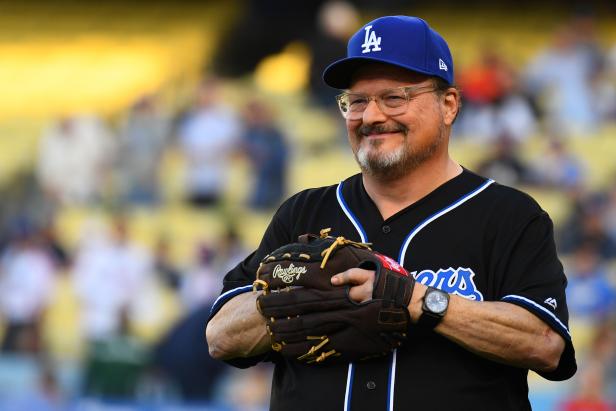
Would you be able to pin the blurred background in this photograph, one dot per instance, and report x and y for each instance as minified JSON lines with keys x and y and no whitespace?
{"x":144,"y":148}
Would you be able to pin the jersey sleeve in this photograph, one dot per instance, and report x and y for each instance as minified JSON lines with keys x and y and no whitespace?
{"x":239,"y":280}
{"x":533,"y":278}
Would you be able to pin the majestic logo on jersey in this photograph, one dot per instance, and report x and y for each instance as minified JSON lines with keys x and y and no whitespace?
{"x":551,"y":302}
{"x":454,"y":281}
{"x":371,"y":40}
{"x":289,"y":274}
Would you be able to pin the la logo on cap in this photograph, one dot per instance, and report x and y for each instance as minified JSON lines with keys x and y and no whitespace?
{"x":371,"y":40}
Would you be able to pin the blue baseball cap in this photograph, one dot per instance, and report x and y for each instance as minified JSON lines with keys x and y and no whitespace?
{"x":402,"y":41}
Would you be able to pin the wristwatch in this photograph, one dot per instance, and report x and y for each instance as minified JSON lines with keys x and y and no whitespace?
{"x":434,"y":306}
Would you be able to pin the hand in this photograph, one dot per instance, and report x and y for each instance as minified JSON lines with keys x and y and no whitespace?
{"x":361,"y":281}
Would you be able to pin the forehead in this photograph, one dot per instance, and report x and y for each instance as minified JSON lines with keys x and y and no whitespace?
{"x":383,"y":75}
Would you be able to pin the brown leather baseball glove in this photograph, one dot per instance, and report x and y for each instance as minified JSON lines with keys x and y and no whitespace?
{"x":313,"y":321}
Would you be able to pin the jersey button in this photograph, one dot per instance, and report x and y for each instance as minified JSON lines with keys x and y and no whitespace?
{"x":386,"y":229}
{"x":371,"y":385}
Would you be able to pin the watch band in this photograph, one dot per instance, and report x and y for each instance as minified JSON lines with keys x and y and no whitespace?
{"x":429,"y":320}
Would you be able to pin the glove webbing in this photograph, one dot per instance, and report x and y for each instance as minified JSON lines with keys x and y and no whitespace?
{"x":339,"y":241}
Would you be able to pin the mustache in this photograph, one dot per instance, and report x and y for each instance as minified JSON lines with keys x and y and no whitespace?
{"x":367,"y":129}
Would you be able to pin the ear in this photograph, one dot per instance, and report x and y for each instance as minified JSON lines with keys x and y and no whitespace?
{"x":450,"y":105}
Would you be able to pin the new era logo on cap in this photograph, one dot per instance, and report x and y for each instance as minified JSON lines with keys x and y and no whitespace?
{"x":402,"y":41}
{"x":442,"y":65}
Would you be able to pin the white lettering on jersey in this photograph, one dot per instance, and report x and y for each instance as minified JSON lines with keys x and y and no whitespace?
{"x":371,"y":40}
{"x":454,"y":281}
{"x":551,"y":302}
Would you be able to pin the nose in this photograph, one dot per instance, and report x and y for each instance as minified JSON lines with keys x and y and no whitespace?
{"x":373,"y":113}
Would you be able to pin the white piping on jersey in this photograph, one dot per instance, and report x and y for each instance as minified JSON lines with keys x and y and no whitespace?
{"x":412,"y":234}
{"x":364,"y":239}
{"x":222,"y":298}
{"x":349,"y":387}
{"x":349,"y":214}
{"x":433,"y":217}
{"x":392,"y":381}
{"x":535,"y":305}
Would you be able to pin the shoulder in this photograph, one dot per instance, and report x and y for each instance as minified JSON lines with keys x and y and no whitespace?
{"x":310,"y":207}
{"x":501,"y":197}
{"x":516,"y":214}
{"x":503,"y":206}
{"x":317,"y":196}
{"x":513,"y":200}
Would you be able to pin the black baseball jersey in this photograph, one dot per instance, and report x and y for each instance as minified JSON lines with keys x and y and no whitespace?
{"x":471,"y":237}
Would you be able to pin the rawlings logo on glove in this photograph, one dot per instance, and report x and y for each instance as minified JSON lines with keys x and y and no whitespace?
{"x":313,"y":321}
{"x":289,"y":274}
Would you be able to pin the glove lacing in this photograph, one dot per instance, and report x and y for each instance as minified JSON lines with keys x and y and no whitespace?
{"x":339,"y":241}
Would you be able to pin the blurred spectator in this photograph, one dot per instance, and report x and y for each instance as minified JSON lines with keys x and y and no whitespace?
{"x":493,"y":103}
{"x":201,"y":284}
{"x":208,"y":138}
{"x":169,"y":274}
{"x":487,"y":81}
{"x":230,"y":251}
{"x":27,"y":278}
{"x":183,"y":357}
{"x":336,"y":21}
{"x":590,"y":395}
{"x":561,"y":77}
{"x":586,"y":225}
{"x":61,"y":333}
{"x":590,"y":295}
{"x":247,"y":389}
{"x":557,"y":167}
{"x":48,"y":235}
{"x":110,"y":274}
{"x":266,"y":148}
{"x":142,"y":141}
{"x":603,"y":68}
{"x":583,"y":23}
{"x":603,"y":350}
{"x":606,"y":87}
{"x":609,"y":215}
{"x":263,"y":27}
{"x":115,"y":364}
{"x":44,"y":394}
{"x":504,"y":165}
{"x":74,"y":162}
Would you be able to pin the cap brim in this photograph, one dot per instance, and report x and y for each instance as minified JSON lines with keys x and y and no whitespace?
{"x":339,"y":74}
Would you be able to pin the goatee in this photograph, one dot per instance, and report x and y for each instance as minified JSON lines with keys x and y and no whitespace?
{"x":397,"y":163}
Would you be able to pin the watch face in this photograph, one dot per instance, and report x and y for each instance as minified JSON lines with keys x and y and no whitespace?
{"x":437,"y":301}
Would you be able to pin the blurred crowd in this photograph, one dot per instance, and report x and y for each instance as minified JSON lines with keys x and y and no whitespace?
{"x":136,"y":318}
{"x":136,"y":329}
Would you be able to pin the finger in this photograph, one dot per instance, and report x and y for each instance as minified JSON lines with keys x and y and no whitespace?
{"x":361,"y":293}
{"x":354,"y":276}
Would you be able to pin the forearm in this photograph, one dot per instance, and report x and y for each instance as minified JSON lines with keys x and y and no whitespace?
{"x":498,"y":331}
{"x":238,"y":329}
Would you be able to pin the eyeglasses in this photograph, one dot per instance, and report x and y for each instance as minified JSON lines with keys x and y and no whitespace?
{"x":391,"y":102}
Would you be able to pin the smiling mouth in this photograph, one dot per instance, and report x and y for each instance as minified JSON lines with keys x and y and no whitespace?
{"x":380,"y":135}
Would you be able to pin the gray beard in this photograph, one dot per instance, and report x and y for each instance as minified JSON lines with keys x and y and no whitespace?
{"x":395,"y":164}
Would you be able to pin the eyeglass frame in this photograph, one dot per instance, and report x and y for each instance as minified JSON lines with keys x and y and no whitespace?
{"x":378,"y":98}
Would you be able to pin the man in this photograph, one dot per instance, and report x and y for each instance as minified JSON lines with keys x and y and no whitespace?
{"x":207,"y":139}
{"x":489,"y":248}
